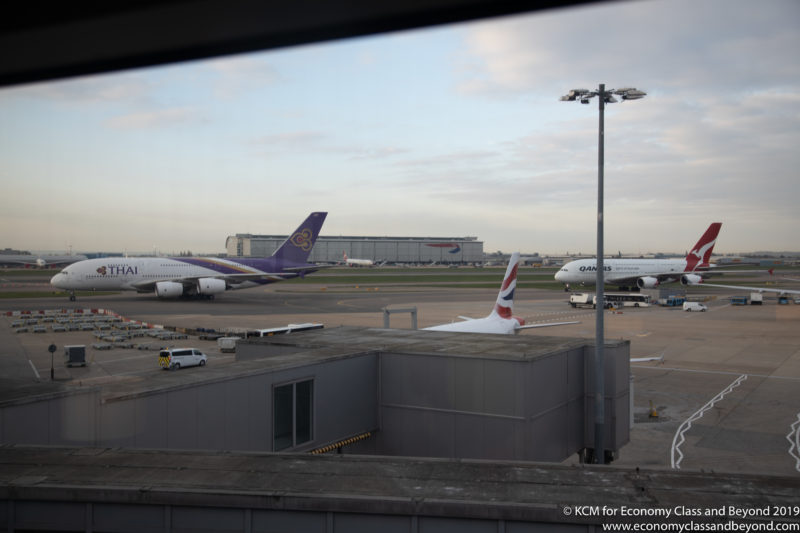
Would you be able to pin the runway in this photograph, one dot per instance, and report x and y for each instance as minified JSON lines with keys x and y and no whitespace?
{"x":753,"y":428}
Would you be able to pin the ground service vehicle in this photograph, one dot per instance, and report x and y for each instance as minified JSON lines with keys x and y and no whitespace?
{"x":671,"y":301}
{"x":694,"y":306}
{"x":175,"y":358}
{"x":612,"y":299}
{"x":627,"y":299}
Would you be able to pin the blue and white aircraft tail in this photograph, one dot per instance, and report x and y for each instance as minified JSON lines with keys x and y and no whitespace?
{"x":173,"y":277}
{"x":501,"y":320}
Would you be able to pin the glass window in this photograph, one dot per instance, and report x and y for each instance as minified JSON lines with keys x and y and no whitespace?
{"x":282,"y":417}
{"x":292,"y":414}
{"x":303,"y":412}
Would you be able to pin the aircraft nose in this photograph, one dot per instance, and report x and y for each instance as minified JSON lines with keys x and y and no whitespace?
{"x":58,"y":280}
{"x":559,"y":275}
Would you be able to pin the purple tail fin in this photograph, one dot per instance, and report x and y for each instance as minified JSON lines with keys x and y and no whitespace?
{"x":297,"y":247}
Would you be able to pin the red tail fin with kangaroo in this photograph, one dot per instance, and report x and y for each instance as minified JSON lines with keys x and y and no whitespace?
{"x":699,"y":257}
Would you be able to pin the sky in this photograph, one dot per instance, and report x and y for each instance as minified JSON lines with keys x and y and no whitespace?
{"x":448,"y":131}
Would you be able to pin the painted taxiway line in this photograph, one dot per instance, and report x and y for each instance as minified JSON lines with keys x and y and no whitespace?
{"x":679,"y":438}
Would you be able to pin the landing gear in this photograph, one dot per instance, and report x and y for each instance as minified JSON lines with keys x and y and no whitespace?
{"x":71,"y":296}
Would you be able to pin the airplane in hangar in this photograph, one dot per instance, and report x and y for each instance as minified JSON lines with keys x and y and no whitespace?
{"x":357,"y":262}
{"x":39,"y":261}
{"x":173,"y":277}
{"x":501,"y":319}
{"x":644,"y":273}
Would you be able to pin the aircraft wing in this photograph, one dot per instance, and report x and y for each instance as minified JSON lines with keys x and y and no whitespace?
{"x":304,"y":268}
{"x":676,"y":276}
{"x":647,"y":359}
{"x":742,"y":287}
{"x":547,"y":325}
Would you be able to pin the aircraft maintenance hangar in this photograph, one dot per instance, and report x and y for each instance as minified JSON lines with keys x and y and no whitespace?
{"x":329,"y":249}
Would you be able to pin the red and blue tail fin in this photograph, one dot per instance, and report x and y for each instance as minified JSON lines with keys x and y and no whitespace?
{"x":504,"y":306}
{"x":298,"y":246}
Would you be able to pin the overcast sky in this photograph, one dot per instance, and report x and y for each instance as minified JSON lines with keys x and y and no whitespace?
{"x":451,"y":131}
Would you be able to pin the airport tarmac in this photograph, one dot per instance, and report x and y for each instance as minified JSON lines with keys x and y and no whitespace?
{"x":746,"y":357}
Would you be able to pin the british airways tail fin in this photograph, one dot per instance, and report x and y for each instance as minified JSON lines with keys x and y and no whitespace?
{"x":504,"y":306}
{"x":298,"y":246}
{"x":701,"y":253}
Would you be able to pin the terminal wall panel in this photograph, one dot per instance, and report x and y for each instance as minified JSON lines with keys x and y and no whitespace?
{"x":49,"y":516}
{"x":259,"y":412}
{"x":345,"y":402}
{"x":432,"y":524}
{"x":417,"y":380}
{"x":211,"y":403}
{"x":72,"y":420}
{"x":549,"y":385}
{"x":417,"y":432}
{"x":238,"y":419}
{"x":117,"y":424}
{"x":195,"y":519}
{"x":182,"y":419}
{"x":482,"y":437}
{"x":150,"y":422}
{"x":469,"y":384}
{"x":26,"y":424}
{"x":504,"y":385}
{"x":121,"y":518}
{"x":548,"y":436}
{"x":272,"y":521}
{"x":364,"y":523}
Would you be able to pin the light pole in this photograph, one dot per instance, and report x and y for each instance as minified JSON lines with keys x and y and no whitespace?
{"x":606,"y":96}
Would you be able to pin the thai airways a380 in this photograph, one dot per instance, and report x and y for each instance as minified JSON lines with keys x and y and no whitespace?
{"x":173,"y":277}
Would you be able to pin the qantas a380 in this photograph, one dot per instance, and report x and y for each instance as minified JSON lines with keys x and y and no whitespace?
{"x":645,"y":273}
{"x":173,"y":277}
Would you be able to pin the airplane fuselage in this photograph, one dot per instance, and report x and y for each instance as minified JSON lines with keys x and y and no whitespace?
{"x":584,"y":271}
{"x":490,"y":324}
{"x":140,"y":274}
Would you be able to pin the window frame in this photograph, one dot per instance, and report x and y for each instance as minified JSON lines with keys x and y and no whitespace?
{"x":294,"y":419}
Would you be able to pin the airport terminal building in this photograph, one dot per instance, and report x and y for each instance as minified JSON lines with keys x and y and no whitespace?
{"x":329,"y":249}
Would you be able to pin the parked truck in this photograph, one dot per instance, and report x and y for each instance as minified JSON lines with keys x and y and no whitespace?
{"x":227,"y":344}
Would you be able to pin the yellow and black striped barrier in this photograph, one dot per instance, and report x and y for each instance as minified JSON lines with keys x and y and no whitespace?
{"x":341,"y":443}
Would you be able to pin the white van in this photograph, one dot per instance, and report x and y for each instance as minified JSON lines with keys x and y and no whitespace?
{"x":694,"y":306}
{"x":175,"y":358}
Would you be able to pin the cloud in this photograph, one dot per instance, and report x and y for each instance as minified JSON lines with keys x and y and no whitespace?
{"x":123,"y":87}
{"x":239,"y":74}
{"x":154,"y":119}
{"x":655,"y":44}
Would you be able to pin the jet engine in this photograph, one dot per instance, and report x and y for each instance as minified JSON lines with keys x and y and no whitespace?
{"x":210,"y":286}
{"x":169,"y":289}
{"x":691,"y":279}
{"x":647,"y":282}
